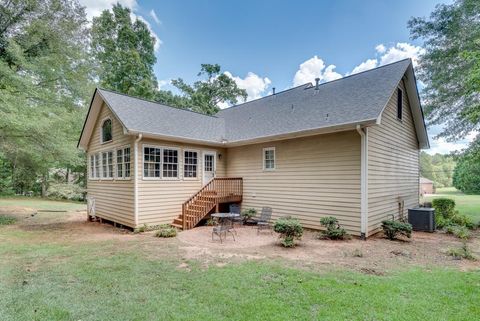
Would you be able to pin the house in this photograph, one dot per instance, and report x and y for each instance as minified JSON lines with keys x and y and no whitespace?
{"x":426,"y":186}
{"x":348,"y":148}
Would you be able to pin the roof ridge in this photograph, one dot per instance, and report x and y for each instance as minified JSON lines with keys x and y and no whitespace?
{"x":277,"y":93}
{"x":309,"y":83}
{"x":155,"y":102}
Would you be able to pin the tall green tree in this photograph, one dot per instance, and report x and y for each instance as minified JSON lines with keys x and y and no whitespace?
{"x":204,"y":95}
{"x":438,"y":168}
{"x":466,"y":176}
{"x":45,"y":82}
{"x":124,"y":51}
{"x":450,"y":68}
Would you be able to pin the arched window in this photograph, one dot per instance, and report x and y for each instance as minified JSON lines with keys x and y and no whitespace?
{"x":107,"y":130}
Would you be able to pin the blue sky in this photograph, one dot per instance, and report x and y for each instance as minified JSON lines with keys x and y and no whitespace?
{"x":265,"y":44}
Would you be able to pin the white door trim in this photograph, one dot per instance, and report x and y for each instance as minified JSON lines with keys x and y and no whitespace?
{"x":214,"y":154}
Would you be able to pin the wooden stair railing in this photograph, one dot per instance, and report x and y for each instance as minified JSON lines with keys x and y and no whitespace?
{"x":199,"y":205}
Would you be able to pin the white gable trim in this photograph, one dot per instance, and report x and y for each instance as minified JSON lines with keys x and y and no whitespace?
{"x":414,"y":100}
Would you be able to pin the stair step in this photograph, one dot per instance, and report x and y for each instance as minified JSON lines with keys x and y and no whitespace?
{"x":179,"y":226}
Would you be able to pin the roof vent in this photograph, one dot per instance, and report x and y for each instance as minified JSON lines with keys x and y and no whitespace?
{"x":273,"y":90}
{"x":317,"y":81}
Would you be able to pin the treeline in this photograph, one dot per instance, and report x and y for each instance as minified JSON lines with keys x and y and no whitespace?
{"x":51,"y":59}
{"x":438,"y":168}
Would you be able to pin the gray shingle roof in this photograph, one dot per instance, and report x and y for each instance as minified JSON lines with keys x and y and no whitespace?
{"x":143,"y":116}
{"x":355,"y":99}
{"x":351,"y":99}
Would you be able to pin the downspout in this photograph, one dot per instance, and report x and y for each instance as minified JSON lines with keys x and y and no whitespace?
{"x":363,"y":181}
{"x":135,"y":178}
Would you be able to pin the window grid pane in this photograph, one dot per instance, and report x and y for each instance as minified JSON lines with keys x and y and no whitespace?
{"x":126,"y":160}
{"x":120,"y":163}
{"x":151,"y":160}
{"x":190,"y":164}
{"x":269,"y":159}
{"x":97,"y":165}
{"x":170,"y":163}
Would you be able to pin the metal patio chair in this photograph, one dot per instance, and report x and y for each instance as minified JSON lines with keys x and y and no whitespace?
{"x":222,"y":229}
{"x":263,"y":223}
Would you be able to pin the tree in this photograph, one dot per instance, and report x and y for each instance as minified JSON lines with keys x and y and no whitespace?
{"x":438,"y":168}
{"x":450,"y":68}
{"x":124,"y":51}
{"x":45,"y":82}
{"x":466,"y":176}
{"x":204,"y":95}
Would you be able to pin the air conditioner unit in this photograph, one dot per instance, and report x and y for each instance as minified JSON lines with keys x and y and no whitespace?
{"x":422,"y":219}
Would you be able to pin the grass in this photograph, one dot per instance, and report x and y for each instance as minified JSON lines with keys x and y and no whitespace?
{"x":6,"y":220}
{"x":44,"y":276}
{"x":465,"y":204}
{"x":41,"y":204}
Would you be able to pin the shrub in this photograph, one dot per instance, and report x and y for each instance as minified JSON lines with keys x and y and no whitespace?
{"x":149,"y":228}
{"x":462,"y":220}
{"x":334,"y":231}
{"x":459,"y":231}
{"x":393,"y":228}
{"x":7,"y":220}
{"x":166,"y":231}
{"x":248,"y":214}
{"x":289,"y":229}
{"x":444,"y":207}
{"x":461,"y":253}
{"x":63,"y":191}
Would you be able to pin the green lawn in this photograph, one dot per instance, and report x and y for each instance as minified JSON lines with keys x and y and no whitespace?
{"x":46,"y":276}
{"x":41,"y":204}
{"x":466,"y":204}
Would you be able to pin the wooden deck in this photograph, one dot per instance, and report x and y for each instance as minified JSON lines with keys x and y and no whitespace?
{"x":209,"y":197}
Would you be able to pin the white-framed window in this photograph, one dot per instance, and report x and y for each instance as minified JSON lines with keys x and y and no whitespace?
{"x":107,"y":164}
{"x":190,"y":164}
{"x":97,"y":167}
{"x":106,"y":131}
{"x":123,"y":162}
{"x":151,"y":162}
{"x":92,"y":167}
{"x":170,"y":163}
{"x":269,"y":159}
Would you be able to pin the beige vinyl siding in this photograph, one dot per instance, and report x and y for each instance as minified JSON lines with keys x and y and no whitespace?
{"x":393,"y":164}
{"x":314,"y":177}
{"x":113,"y":197}
{"x":160,"y":200}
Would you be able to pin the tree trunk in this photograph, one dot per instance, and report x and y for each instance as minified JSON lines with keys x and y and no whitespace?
{"x":44,"y":185}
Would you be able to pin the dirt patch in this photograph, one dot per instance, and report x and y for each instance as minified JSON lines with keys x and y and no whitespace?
{"x":375,"y":256}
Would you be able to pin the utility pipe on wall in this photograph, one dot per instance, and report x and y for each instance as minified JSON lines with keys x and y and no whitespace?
{"x":135,"y":177}
{"x":363,"y":181}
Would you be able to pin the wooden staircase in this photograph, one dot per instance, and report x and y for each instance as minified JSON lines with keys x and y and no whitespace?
{"x":208,"y":198}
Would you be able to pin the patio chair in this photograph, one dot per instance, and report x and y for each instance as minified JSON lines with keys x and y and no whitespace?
{"x":223,"y":229}
{"x":235,"y":208}
{"x":263,"y":222}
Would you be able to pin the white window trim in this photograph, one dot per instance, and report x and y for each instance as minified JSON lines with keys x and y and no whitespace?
{"x":101,"y":131}
{"x":179,"y":164}
{"x":92,"y":172}
{"x":198,"y":164}
{"x":274,"y":159}
{"x":101,"y":165}
{"x":115,"y":162}
{"x":161,"y":178}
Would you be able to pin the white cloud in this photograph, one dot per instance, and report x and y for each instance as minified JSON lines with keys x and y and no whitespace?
{"x":441,"y":146}
{"x":314,"y":68}
{"x":401,"y":50}
{"x":366,"y":65}
{"x":163,"y":82}
{"x":155,"y":17}
{"x":380,"y":48}
{"x":95,"y":7}
{"x":255,"y":85}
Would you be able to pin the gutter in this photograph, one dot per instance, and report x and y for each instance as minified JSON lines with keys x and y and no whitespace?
{"x":363,"y":181}
{"x":135,"y":178}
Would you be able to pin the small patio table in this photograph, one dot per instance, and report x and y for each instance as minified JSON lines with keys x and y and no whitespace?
{"x":224,"y":226}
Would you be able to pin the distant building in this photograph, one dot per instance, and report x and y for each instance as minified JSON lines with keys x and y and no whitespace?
{"x":426,"y":186}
